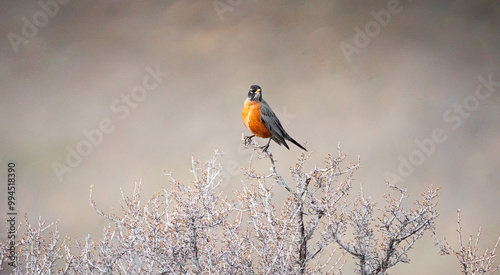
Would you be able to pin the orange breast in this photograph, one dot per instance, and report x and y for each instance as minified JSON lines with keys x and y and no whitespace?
{"x":251,"y":119}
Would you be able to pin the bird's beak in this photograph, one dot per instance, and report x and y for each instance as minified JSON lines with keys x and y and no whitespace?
{"x":258,"y":91}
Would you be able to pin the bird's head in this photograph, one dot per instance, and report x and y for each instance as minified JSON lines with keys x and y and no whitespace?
{"x":255,"y":93}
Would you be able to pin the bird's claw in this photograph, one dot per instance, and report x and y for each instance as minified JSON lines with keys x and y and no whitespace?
{"x":248,"y":140}
{"x":265,"y":148}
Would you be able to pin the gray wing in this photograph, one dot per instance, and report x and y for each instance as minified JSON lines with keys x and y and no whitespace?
{"x":272,"y":123}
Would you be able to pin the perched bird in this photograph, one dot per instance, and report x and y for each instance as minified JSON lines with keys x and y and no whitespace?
{"x":259,"y":118}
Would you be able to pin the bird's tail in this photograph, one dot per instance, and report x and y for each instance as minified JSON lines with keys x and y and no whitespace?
{"x":296,"y":143}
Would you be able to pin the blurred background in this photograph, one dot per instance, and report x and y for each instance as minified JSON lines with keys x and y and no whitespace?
{"x":136,"y":88}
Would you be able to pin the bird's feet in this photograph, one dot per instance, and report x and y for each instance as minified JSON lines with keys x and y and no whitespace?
{"x":265,"y":148}
{"x":248,"y":140}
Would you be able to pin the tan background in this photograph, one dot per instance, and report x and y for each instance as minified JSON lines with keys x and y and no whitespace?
{"x":396,"y":90}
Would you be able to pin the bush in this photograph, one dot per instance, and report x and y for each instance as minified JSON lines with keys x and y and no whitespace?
{"x":194,"y":230}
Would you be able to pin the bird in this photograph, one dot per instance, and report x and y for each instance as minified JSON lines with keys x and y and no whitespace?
{"x":260,"y":119}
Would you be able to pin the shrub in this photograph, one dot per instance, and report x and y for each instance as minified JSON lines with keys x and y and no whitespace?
{"x":194,"y":230}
